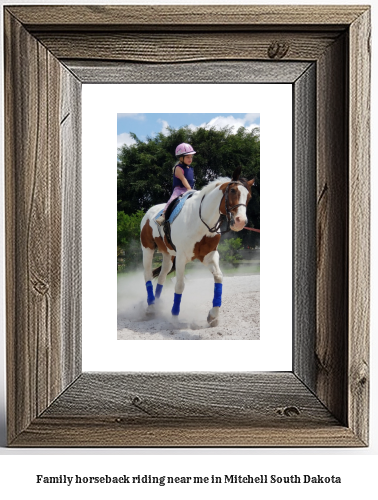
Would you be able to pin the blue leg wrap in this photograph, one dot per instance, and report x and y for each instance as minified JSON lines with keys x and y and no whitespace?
{"x":158,"y":290}
{"x":217,"y":301}
{"x":176,"y":304}
{"x":150,"y":293}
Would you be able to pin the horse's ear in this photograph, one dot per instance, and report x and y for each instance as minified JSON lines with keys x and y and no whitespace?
{"x":251,"y":183}
{"x":236,"y":174}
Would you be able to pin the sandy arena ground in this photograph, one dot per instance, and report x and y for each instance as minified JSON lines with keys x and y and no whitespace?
{"x":239,"y":315}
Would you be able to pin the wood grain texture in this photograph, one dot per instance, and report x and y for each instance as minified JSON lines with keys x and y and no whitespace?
{"x":33,"y":189}
{"x":304,"y":227}
{"x":359,"y":226}
{"x":186,"y":47}
{"x":199,"y":72}
{"x":197,"y":409}
{"x":332,"y":230}
{"x":221,"y":396}
{"x":33,"y":227}
{"x":143,"y":17}
{"x":70,"y":161}
{"x":324,"y":402}
{"x":100,"y":432}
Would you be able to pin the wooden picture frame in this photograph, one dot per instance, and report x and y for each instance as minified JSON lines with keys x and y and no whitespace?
{"x":323,"y":51}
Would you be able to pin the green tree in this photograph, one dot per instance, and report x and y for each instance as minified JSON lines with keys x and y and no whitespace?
{"x":128,"y":227}
{"x":128,"y":244}
{"x":145,"y":168}
{"x":229,"y":251}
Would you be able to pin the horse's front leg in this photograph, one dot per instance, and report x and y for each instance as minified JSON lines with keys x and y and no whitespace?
{"x":212,"y":262}
{"x":147,"y":264}
{"x":180,"y":284}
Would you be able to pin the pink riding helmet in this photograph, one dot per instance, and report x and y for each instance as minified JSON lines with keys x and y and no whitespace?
{"x":184,"y":149}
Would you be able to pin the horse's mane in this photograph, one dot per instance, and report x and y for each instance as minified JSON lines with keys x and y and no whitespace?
{"x":213,"y":184}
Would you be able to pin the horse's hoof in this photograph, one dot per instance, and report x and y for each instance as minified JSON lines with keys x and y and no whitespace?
{"x":212,"y":321}
{"x":150,"y":311}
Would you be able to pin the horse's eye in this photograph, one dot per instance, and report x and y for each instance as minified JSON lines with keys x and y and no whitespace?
{"x":233,"y":191}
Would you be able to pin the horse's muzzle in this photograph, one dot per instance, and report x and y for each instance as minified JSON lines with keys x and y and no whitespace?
{"x":237,"y":223}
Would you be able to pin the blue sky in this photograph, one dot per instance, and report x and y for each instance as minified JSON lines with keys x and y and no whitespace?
{"x":149,"y":124}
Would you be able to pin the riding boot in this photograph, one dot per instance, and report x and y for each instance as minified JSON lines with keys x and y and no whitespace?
{"x":161,"y":219}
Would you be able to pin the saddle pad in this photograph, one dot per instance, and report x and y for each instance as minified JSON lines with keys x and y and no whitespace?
{"x":178,"y":207}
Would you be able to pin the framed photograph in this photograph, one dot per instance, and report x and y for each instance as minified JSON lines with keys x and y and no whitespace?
{"x":205,"y":268}
{"x":323,"y":52}
{"x":243,"y":305}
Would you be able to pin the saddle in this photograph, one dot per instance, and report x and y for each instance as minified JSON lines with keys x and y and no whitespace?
{"x":173,"y":209}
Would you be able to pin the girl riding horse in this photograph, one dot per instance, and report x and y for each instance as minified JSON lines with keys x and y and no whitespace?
{"x":195,"y":233}
{"x":183,"y":175}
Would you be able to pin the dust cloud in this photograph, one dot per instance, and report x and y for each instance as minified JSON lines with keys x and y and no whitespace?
{"x":239,"y":315}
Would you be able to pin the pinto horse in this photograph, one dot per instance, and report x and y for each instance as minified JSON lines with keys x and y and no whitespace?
{"x":195,"y":234}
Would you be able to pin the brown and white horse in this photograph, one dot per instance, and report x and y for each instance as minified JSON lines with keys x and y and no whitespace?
{"x":195,"y":234}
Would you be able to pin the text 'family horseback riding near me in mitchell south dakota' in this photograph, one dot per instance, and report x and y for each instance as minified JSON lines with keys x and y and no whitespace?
{"x":166,"y":480}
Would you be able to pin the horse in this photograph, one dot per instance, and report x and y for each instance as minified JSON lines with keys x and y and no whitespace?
{"x":195,"y":234}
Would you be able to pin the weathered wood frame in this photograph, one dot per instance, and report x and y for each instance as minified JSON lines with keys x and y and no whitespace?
{"x":49,"y":53}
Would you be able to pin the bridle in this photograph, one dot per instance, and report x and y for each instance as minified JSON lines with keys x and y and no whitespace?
{"x":229,"y":209}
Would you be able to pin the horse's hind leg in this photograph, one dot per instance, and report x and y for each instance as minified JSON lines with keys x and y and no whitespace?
{"x":147,"y":265}
{"x":212,"y":262}
{"x":165,"y":268}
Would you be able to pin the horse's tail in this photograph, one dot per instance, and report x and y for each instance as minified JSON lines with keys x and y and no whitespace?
{"x":156,"y":272}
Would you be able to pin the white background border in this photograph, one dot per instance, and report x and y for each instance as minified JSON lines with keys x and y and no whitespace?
{"x":101,"y":350}
{"x":17,"y":474}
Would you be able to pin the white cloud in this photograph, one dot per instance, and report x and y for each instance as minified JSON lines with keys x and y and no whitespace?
{"x":251,"y":127}
{"x":252,"y":117}
{"x":220,"y":122}
{"x":165,"y":126}
{"x":135,"y":116}
{"x":125,"y":138}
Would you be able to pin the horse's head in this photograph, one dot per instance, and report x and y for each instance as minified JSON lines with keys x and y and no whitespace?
{"x":236,"y":196}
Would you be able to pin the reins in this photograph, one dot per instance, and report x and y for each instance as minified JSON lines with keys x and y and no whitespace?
{"x":221,"y":218}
